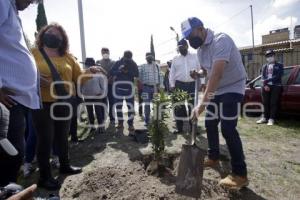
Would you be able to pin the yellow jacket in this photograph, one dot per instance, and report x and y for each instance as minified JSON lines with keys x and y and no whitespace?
{"x":67,"y":67}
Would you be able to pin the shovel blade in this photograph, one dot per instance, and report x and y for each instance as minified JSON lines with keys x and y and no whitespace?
{"x":190,"y":171}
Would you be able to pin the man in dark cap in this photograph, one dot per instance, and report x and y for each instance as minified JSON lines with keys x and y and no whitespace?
{"x":271,"y":77}
{"x":124,"y":71}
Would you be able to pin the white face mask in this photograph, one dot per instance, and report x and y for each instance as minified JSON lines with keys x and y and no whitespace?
{"x":270,"y":59}
{"x":105,"y":56}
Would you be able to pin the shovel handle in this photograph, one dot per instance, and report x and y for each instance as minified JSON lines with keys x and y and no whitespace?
{"x":194,"y":123}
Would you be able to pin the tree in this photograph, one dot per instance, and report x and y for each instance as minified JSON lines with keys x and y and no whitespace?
{"x":158,"y":127}
{"x":41,"y":19}
{"x":152,"y":47}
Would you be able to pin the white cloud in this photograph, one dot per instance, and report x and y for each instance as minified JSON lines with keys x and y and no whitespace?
{"x":283,"y":3}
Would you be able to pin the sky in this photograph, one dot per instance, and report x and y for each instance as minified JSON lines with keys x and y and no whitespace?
{"x":128,"y":24}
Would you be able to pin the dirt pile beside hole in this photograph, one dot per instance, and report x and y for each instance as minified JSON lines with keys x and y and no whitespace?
{"x":131,"y":181}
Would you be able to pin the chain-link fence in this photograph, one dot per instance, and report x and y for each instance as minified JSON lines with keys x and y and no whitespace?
{"x":254,"y":62}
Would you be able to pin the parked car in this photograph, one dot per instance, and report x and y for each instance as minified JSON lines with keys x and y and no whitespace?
{"x":290,"y":96}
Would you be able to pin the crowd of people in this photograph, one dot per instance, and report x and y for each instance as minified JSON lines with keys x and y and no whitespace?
{"x":41,"y":88}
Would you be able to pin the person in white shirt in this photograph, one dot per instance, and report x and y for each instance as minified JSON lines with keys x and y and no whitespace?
{"x":180,"y":78}
{"x":19,"y":82}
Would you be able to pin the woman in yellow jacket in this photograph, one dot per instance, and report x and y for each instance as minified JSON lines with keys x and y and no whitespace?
{"x":53,"y":40}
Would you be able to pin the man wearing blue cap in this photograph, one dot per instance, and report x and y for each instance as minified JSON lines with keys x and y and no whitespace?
{"x":220,"y":57}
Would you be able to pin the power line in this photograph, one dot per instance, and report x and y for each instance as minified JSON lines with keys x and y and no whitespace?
{"x":167,"y":53}
{"x":165,"y":42}
{"x":233,"y":16}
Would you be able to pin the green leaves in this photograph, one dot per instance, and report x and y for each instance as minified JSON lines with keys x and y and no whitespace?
{"x":179,"y":96}
{"x":158,"y":128}
{"x":41,"y":19}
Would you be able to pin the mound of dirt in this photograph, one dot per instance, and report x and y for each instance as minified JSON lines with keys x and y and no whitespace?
{"x":129,"y":180}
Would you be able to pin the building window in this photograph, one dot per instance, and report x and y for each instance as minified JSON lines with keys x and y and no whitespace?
{"x":250,"y":56}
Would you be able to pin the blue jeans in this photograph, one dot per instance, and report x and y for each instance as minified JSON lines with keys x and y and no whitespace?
{"x":30,"y":135}
{"x":227,"y":113}
{"x":121,"y":95}
{"x":147,"y":97}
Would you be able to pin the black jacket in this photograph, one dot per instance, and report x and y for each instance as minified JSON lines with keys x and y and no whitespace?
{"x":277,"y":74}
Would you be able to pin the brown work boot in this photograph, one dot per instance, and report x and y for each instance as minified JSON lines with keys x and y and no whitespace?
{"x":234,"y":182}
{"x":211,"y":163}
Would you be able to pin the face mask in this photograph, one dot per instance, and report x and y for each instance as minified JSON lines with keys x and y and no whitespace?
{"x":105,"y":56}
{"x":149,"y":59}
{"x":183,"y":51}
{"x":126,"y":61}
{"x":270,"y":59}
{"x":195,"y":42}
{"x":51,"y":41}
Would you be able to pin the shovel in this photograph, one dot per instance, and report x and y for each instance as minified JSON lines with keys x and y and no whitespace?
{"x":190,"y":169}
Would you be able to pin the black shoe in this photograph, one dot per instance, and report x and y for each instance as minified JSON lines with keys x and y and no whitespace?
{"x":49,"y":184}
{"x":92,"y":130}
{"x":177,"y":132}
{"x":70,"y":170}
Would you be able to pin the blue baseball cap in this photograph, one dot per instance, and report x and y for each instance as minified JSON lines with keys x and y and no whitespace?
{"x":188,"y":25}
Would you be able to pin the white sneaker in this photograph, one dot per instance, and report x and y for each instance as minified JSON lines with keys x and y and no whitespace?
{"x":270,"y":122}
{"x":27,"y":169}
{"x":262,"y":121}
{"x":55,"y":162}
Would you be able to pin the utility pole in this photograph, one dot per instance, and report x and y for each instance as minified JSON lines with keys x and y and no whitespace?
{"x":177,"y":36}
{"x":252,"y":30}
{"x":81,"y":26}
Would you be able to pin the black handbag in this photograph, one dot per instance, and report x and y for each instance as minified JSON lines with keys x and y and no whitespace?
{"x":59,"y":89}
